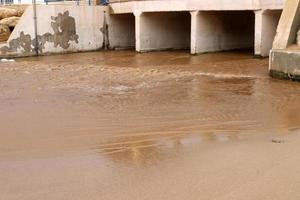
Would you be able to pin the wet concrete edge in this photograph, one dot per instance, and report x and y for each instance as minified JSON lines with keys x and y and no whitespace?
{"x":285,"y":76}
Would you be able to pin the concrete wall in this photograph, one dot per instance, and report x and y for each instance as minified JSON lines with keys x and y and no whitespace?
{"x":285,"y":64}
{"x":122,"y":31}
{"x":222,"y":30}
{"x":162,"y":30}
{"x":266,"y":22}
{"x":60,"y":29}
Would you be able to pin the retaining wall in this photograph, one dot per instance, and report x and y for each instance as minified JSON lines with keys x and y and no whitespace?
{"x":60,"y":29}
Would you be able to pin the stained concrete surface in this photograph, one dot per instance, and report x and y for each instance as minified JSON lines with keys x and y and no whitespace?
{"x":64,"y":28}
{"x":284,"y":56}
{"x":60,"y":29}
{"x":165,"y":125}
{"x":284,"y":64}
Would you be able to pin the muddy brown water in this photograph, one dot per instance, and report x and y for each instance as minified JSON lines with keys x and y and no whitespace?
{"x":103,"y":125}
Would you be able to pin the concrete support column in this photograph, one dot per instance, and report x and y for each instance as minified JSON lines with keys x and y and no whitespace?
{"x":266,"y":22}
{"x":288,"y":26}
{"x":137,"y":15}
{"x":194,"y":31}
{"x":258,"y":33}
{"x":204,"y":32}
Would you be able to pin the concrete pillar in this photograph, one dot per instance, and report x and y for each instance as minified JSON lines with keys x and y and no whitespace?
{"x":266,"y":22}
{"x":258,"y":32}
{"x":288,"y":25}
{"x":194,"y":31}
{"x":137,"y":15}
{"x":204,"y":34}
{"x":213,"y":31}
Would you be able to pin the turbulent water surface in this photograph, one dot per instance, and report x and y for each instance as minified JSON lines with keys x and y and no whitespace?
{"x":121,"y":125}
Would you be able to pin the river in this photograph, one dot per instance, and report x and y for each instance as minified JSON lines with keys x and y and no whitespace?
{"x":161,"y":125}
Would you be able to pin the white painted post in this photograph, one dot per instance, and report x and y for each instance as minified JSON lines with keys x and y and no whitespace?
{"x":137,"y":15}
{"x":258,"y":32}
{"x":266,"y":22}
{"x":194,"y":16}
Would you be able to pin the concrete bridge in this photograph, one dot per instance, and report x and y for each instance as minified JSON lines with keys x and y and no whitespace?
{"x":199,"y":25}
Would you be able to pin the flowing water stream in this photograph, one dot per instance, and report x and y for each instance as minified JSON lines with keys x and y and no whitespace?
{"x":109,"y":125}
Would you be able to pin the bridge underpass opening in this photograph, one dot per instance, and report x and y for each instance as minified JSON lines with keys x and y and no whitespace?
{"x":163,"y":31}
{"x":222,"y":31}
{"x":121,"y":31}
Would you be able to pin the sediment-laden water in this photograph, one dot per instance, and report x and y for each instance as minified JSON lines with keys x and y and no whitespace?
{"x":121,"y":125}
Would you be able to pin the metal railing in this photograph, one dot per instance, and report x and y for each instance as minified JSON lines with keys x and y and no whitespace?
{"x":3,"y":2}
{"x":47,"y":2}
{"x":72,"y":2}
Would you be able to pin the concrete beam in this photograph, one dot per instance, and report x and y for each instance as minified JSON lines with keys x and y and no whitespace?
{"x":204,"y":5}
{"x":271,"y":4}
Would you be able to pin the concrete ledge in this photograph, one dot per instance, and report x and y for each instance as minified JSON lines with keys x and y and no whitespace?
{"x":203,"y":5}
{"x":284,"y":64}
{"x":281,"y":75}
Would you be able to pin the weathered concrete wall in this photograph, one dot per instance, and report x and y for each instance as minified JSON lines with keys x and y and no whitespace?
{"x":122,"y":31}
{"x":285,"y":64}
{"x":285,"y":55}
{"x":70,"y":28}
{"x":222,"y":30}
{"x":266,"y":22}
{"x":162,"y":30}
{"x":288,"y":25}
{"x":60,"y":28}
